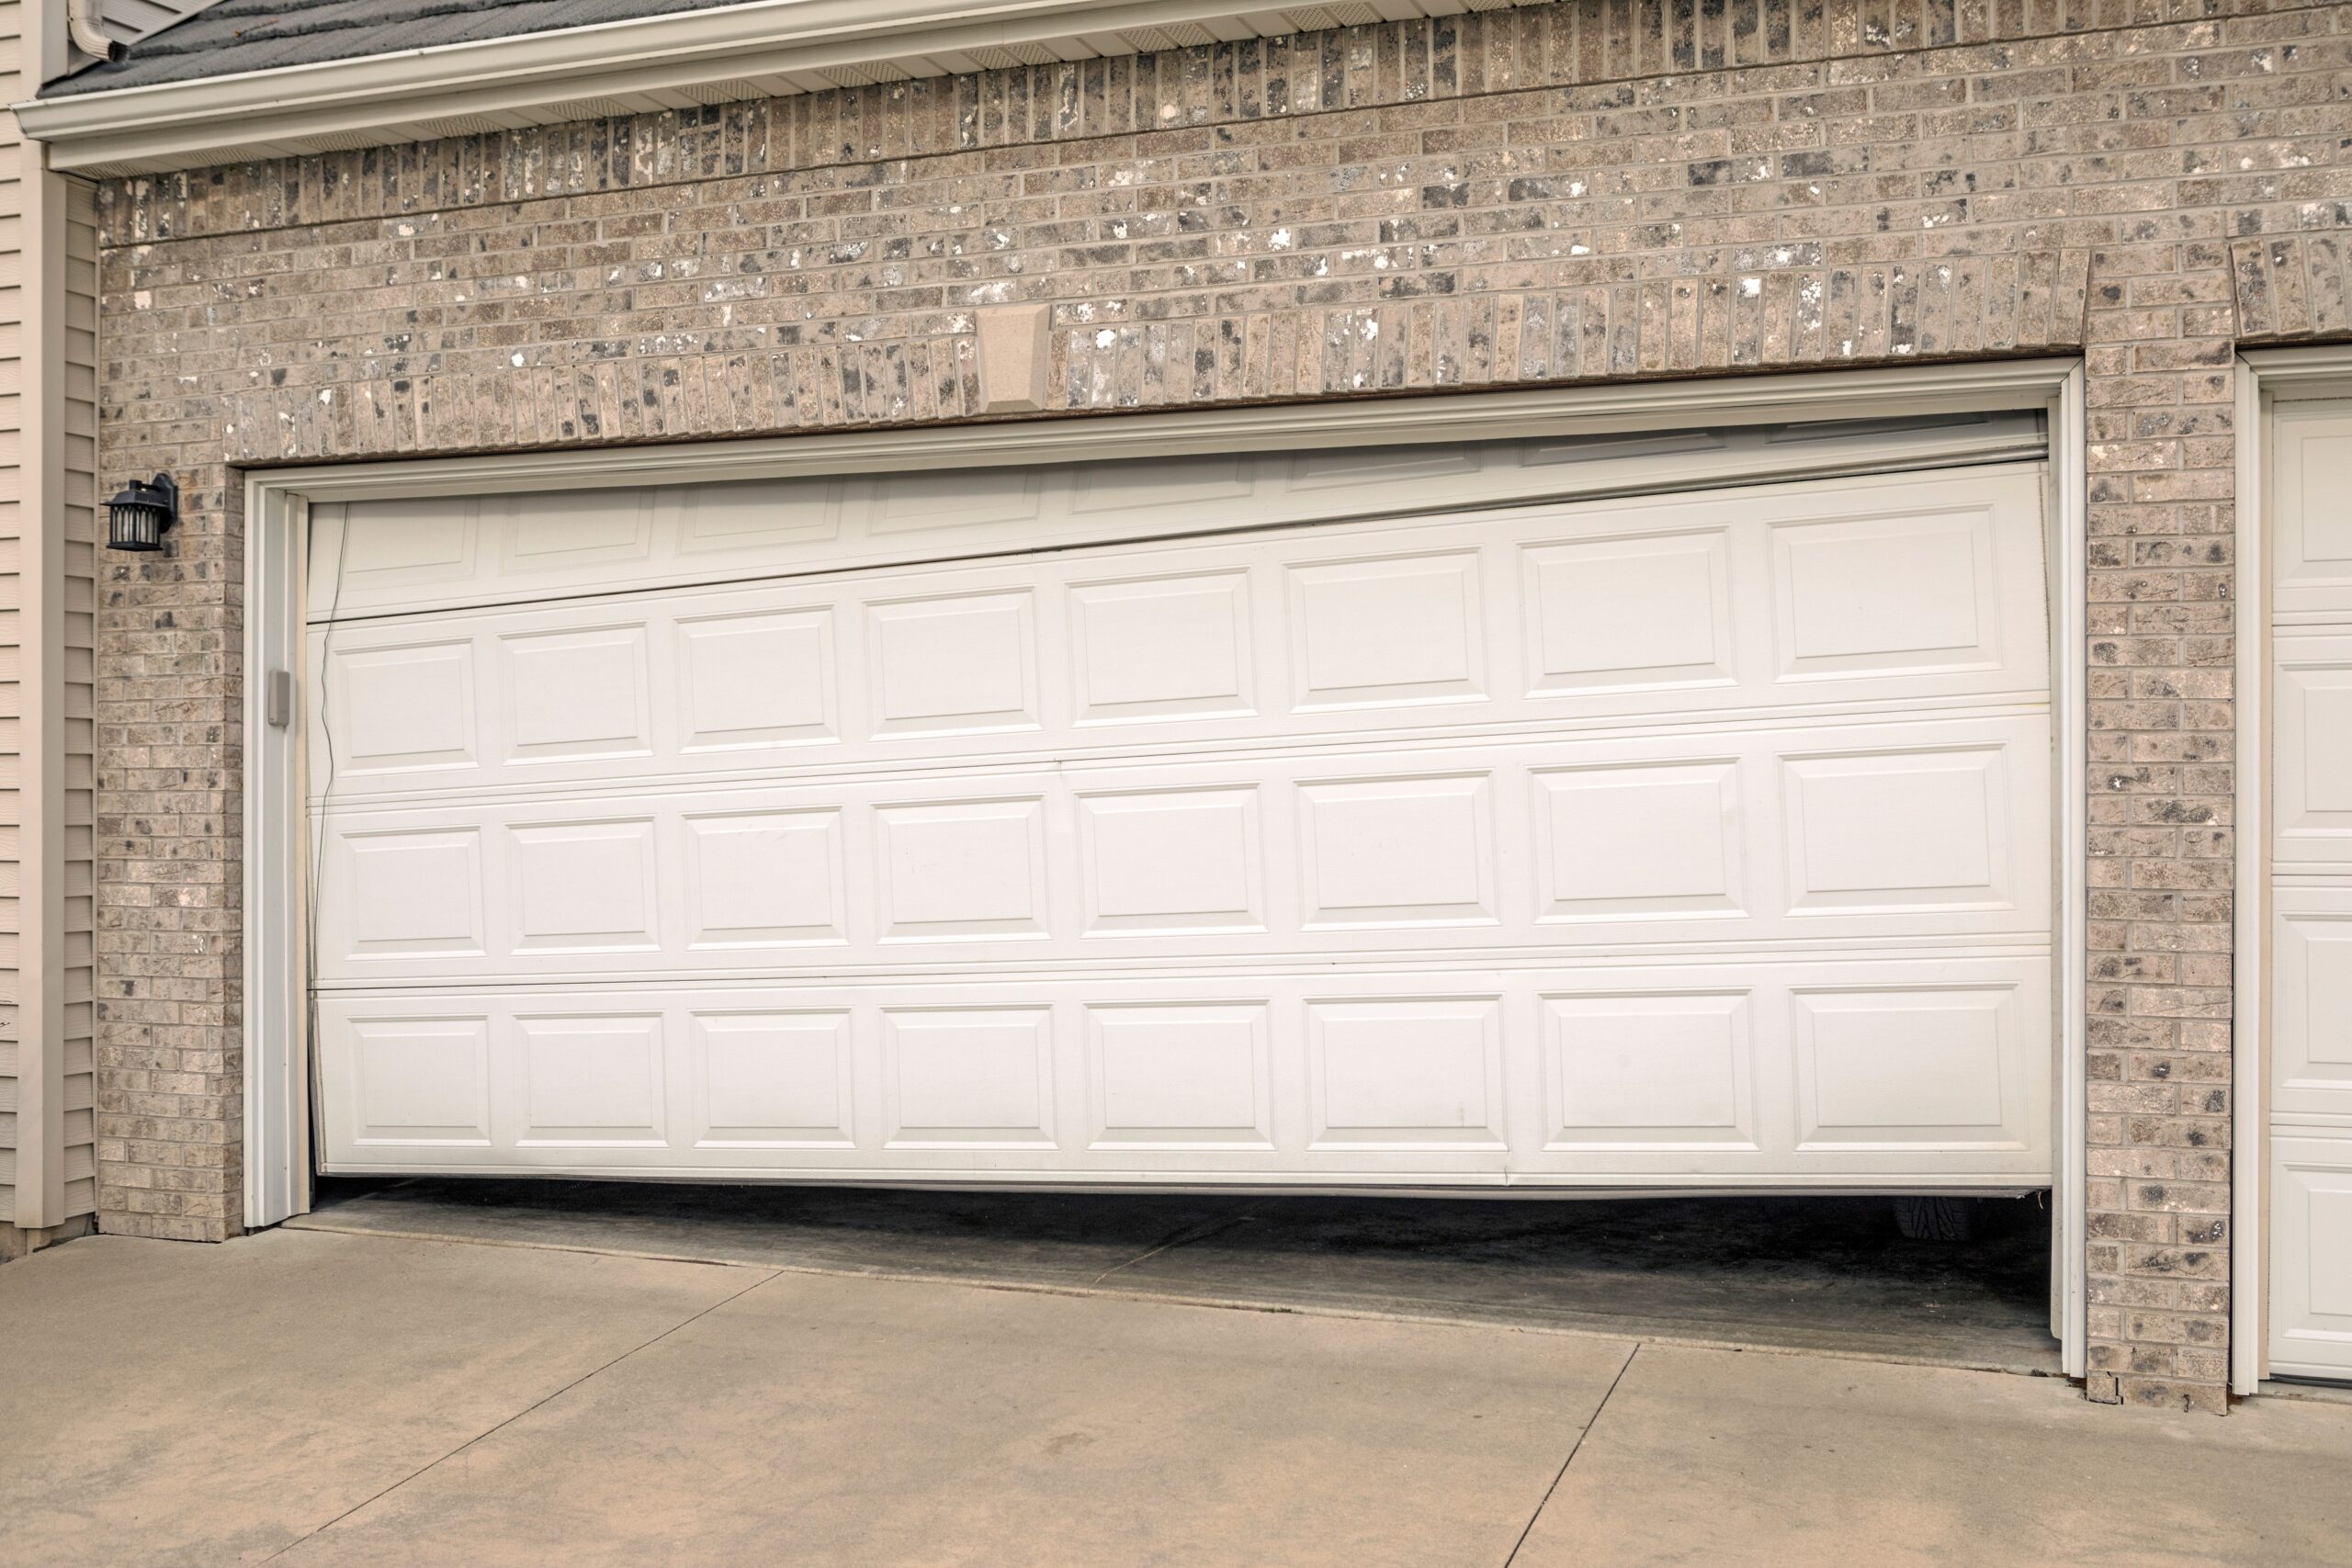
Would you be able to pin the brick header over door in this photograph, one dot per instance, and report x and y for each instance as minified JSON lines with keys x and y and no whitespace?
{"x":1583,"y":191}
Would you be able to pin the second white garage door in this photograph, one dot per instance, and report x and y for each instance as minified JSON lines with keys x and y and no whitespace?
{"x":1461,"y":836}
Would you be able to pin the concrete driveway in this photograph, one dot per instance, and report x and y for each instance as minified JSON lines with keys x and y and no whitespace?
{"x":317,"y":1398}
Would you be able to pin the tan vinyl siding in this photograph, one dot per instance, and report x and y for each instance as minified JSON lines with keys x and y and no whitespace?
{"x":47,"y":1067}
{"x":17,"y":88}
{"x":131,"y":21}
{"x":75,"y":814}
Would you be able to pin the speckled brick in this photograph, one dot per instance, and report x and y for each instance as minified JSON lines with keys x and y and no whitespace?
{"x":1577,"y":192}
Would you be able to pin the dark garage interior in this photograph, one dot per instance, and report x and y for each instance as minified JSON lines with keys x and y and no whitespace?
{"x":1829,"y":1273}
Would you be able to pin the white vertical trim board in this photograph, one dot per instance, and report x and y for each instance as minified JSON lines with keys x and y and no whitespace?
{"x":276,"y":973}
{"x":2249,"y":977}
{"x":277,"y":978}
{"x":2069,"y":694}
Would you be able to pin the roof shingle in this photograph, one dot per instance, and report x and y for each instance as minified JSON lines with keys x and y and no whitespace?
{"x":238,"y":36}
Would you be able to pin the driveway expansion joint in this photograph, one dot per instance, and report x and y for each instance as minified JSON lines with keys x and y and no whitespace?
{"x":1561,"y":1474}
{"x":498,"y":1426}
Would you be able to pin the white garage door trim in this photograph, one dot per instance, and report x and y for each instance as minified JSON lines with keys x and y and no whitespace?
{"x":2265,"y":377}
{"x":278,"y":976}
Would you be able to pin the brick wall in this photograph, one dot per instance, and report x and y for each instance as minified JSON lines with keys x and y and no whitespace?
{"x":1593,"y":189}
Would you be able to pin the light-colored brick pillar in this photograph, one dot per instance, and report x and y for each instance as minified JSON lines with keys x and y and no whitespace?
{"x":170,"y":815}
{"x":2161,"y":465}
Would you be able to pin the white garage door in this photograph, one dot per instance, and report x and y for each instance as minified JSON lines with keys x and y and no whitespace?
{"x":2311,"y":889}
{"x":1357,"y":818}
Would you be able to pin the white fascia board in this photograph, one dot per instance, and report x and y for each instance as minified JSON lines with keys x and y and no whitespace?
{"x":387,"y":98}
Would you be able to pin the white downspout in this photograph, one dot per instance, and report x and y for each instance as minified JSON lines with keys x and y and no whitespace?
{"x":82,"y":29}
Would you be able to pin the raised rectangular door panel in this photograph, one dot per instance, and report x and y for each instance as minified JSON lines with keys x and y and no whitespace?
{"x":417,"y":892}
{"x":1886,"y":1066}
{"x":1647,"y":610}
{"x":2311,"y":731}
{"x":1900,"y":829}
{"x":1699,"y":838}
{"x":773,"y":1081}
{"x":978,"y":1080}
{"x":590,"y":1080}
{"x":1397,"y":852}
{"x":1170,"y":862}
{"x":576,"y":696}
{"x":409,"y":1081}
{"x":2310,"y":1012}
{"x":1615,"y":841}
{"x":2311,"y":452}
{"x":1415,"y":1075}
{"x":1188,"y":1077}
{"x":749,"y":683}
{"x":758,"y":880}
{"x":404,"y":708}
{"x":2310,"y":1275}
{"x":953,"y":666}
{"x":1163,"y":647}
{"x":1649,"y":1071}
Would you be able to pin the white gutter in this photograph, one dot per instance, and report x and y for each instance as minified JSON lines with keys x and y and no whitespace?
{"x":738,"y":50}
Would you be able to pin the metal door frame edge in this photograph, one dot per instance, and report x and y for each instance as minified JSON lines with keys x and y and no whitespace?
{"x":277,"y":959}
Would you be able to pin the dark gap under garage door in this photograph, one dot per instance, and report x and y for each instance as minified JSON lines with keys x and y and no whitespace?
{"x":1819,"y":1273}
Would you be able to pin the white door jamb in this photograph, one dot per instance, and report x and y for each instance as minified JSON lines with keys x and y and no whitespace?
{"x":2262,"y":375}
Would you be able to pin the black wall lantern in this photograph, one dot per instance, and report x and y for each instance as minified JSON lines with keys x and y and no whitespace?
{"x":139,"y":512}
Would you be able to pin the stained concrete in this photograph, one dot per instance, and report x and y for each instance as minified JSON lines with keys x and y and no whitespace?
{"x":1814,"y":1273}
{"x":826,"y":1420}
{"x":333,"y":1400}
{"x":167,"y":1402}
{"x":1729,"y":1460}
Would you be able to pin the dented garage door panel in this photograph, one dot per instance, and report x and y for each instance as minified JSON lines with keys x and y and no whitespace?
{"x":435,"y":552}
{"x":1692,"y":837}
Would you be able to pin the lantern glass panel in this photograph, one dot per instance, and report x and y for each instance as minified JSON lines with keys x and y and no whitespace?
{"x":133,"y":526}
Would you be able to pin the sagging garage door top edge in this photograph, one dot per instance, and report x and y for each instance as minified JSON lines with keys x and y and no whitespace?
{"x":828,"y":524}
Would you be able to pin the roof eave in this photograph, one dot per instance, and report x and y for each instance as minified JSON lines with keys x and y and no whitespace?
{"x":729,"y":52}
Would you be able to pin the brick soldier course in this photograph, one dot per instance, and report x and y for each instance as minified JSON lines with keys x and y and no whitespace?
{"x":1575,"y":192}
